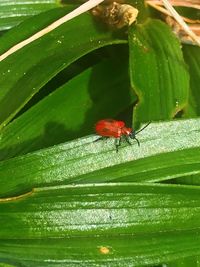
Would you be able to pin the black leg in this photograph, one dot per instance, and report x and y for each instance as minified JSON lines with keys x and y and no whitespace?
{"x":127,"y":140}
{"x":100,"y":138}
{"x":117,"y":143}
{"x":137,"y":141}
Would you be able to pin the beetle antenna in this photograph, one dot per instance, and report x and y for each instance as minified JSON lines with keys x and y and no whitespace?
{"x":143,"y":128}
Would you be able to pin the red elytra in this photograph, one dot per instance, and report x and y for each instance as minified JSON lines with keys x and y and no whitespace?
{"x":112,"y":128}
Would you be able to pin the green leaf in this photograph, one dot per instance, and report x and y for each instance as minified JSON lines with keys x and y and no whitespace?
{"x":19,"y":75}
{"x":6,"y":265}
{"x":158,"y":73}
{"x":190,"y":261}
{"x":97,"y":225}
{"x":30,"y":27}
{"x":123,"y":250}
{"x":102,"y":90}
{"x":15,"y":11}
{"x":189,"y":12}
{"x":168,"y":150}
{"x":192,"y":58}
{"x":193,"y":179}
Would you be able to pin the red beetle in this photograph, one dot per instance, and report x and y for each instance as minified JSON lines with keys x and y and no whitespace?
{"x":117,"y":129}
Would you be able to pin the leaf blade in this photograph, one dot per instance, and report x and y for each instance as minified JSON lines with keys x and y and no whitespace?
{"x":192,"y":58}
{"x":14,"y":12}
{"x":134,"y":223}
{"x":157,"y":72}
{"x":70,"y":117}
{"x":64,"y":47}
{"x":84,"y":160}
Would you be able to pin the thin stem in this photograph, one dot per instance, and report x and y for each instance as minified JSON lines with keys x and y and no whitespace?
{"x":81,"y":9}
{"x":178,"y":18}
{"x":186,"y":3}
{"x":163,"y":10}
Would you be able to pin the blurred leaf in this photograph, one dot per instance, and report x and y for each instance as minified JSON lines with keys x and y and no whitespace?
{"x":15,"y":11}
{"x":97,"y":225}
{"x":23,"y":73}
{"x":102,"y":91}
{"x":158,"y":73}
{"x":142,"y":8}
{"x":185,"y":262}
{"x":189,"y":12}
{"x":168,"y":150}
{"x":192,"y":58}
{"x":6,"y":265}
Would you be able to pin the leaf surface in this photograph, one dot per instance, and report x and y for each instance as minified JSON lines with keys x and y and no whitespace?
{"x":101,"y":224}
{"x":15,"y":11}
{"x":189,"y":261}
{"x":168,"y":150}
{"x":192,"y":58}
{"x":102,"y":90}
{"x":158,"y":73}
{"x":34,"y":66}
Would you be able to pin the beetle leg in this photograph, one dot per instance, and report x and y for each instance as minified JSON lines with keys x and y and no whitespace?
{"x":137,"y":141}
{"x":100,"y":138}
{"x":117,"y":143}
{"x":127,"y":140}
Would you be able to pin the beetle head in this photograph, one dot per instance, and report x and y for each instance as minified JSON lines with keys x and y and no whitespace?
{"x":132,"y":134}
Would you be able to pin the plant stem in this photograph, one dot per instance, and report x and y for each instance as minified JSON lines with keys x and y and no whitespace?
{"x":178,"y":18}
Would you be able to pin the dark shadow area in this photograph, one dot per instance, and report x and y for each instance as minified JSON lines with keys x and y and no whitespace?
{"x":2,"y":32}
{"x":126,"y":115}
{"x":65,"y":75}
{"x":188,"y":180}
{"x":105,"y":104}
{"x":86,"y":61}
{"x":179,"y":114}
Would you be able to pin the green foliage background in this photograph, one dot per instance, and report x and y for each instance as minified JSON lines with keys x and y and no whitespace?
{"x":68,"y":201}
